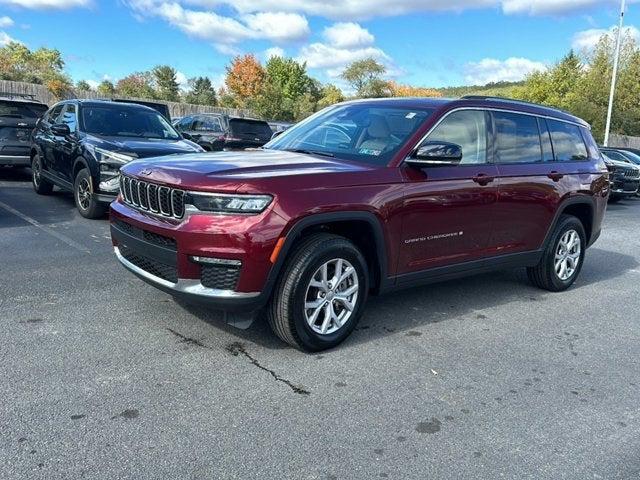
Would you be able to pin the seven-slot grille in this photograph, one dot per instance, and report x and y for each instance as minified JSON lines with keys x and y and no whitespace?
{"x":631,"y":173}
{"x":165,"y":201}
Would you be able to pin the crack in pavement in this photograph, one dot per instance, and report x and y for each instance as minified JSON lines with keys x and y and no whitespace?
{"x":238,"y":348}
{"x":188,"y":340}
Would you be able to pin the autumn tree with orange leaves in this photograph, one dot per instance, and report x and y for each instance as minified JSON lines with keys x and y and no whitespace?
{"x":245,"y":78}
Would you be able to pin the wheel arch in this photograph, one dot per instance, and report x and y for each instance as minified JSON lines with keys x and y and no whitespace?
{"x":358,"y":226}
{"x":581,"y":207}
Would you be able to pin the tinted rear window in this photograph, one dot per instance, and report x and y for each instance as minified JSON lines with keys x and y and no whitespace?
{"x":517,"y":138}
{"x":239,"y":126}
{"x":21,"y":109}
{"x":568,"y":144}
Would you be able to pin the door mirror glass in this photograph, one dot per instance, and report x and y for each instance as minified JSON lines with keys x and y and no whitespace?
{"x":61,"y":129}
{"x":436,"y":153}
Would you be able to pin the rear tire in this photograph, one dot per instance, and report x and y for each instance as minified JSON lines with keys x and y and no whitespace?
{"x":563,"y":258}
{"x":311,"y":309}
{"x":83,"y":196}
{"x":40,"y":185}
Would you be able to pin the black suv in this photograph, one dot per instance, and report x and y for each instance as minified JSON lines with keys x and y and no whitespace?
{"x":80,"y":145}
{"x":624,"y":174}
{"x":215,"y":132}
{"x":18,"y":116}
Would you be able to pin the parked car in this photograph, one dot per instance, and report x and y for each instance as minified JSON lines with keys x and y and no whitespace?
{"x":280,"y":126}
{"x":215,"y":132}
{"x":366,"y":197}
{"x":161,"y":108}
{"x":18,"y":116}
{"x":624,"y":175}
{"x":80,"y":145}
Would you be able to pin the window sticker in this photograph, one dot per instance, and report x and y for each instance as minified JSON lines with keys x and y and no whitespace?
{"x":410,"y":115}
{"x":370,"y":151}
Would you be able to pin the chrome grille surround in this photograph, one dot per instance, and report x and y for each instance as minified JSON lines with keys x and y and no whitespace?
{"x":150,"y":197}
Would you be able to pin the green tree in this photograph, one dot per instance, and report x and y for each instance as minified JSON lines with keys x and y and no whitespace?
{"x":139,"y":85}
{"x":366,"y":78}
{"x":106,"y":89}
{"x":84,"y":86}
{"x":201,"y":92}
{"x":43,"y":66}
{"x":330,"y":95}
{"x":165,"y":82}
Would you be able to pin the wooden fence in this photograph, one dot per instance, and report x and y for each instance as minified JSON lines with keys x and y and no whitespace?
{"x":42,"y":94}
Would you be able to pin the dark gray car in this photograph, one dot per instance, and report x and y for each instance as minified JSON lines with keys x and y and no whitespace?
{"x":18,"y":117}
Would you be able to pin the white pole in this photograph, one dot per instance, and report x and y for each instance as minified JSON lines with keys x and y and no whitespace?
{"x":615,"y":76}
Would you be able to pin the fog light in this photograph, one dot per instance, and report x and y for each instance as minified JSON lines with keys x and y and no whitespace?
{"x":216,"y":261}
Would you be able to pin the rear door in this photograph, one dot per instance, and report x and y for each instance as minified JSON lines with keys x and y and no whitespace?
{"x":447,"y":212}
{"x":535,"y":175}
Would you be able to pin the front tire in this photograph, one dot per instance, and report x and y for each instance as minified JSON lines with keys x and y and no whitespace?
{"x":563,"y":258}
{"x":321,"y":295}
{"x":40,"y":185}
{"x":83,"y":196}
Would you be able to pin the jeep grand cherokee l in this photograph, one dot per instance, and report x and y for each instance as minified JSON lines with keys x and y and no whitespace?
{"x":366,"y":197}
{"x":80,"y":145}
{"x":18,"y":116}
{"x":624,"y":176}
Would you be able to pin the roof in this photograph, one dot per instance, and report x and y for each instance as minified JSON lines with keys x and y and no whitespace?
{"x":474,"y":101}
{"x":96,"y":102}
{"x":21,"y":100}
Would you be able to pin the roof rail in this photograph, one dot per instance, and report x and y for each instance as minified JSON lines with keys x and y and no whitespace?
{"x":512,"y":100}
{"x":28,"y":96}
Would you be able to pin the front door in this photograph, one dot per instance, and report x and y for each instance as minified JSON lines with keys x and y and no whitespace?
{"x":66,"y":147}
{"x":447,"y":212}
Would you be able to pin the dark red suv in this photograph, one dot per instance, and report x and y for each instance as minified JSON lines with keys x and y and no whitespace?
{"x":366,"y":197}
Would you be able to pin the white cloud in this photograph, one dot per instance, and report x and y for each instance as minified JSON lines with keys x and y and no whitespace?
{"x":588,"y":39}
{"x":348,"y":35}
{"x":6,"y":22}
{"x":5,"y":39}
{"x":554,"y":7}
{"x":319,"y":55}
{"x":47,"y":4}
{"x":273,"y":52}
{"x":229,"y":50}
{"x":491,"y":70}
{"x":278,"y":27}
{"x":364,"y":9}
{"x":93,"y":83}
{"x":183,"y":81}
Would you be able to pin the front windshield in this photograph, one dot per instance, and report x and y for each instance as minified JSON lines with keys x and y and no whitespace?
{"x":117,"y":121}
{"x":361,"y":132}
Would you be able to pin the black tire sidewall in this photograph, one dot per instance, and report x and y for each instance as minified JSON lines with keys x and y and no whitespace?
{"x":309,"y":339}
{"x":567,"y":223}
{"x":94,"y":210}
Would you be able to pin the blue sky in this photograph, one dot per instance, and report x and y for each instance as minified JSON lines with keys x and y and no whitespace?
{"x":422,"y":42}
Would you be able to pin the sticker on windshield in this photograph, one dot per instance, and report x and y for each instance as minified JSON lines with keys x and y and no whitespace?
{"x":410,"y":115}
{"x":370,"y":151}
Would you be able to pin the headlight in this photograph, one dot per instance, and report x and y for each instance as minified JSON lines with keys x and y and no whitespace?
{"x":109,"y":157}
{"x":229,"y":203}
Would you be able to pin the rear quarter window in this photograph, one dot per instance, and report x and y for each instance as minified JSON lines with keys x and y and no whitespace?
{"x":568,"y":144}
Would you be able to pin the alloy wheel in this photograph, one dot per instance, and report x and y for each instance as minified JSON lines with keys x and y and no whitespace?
{"x":36,"y":171}
{"x":84,"y":194}
{"x":331,"y":296}
{"x":568,"y":254}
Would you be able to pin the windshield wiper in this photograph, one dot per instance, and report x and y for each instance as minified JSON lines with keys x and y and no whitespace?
{"x":309,"y":152}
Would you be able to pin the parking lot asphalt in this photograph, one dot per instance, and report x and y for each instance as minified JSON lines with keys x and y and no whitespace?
{"x":105,"y":377}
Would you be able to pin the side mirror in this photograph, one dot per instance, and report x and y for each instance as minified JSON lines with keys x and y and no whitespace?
{"x":60,"y":129}
{"x":277,"y":134}
{"x":436,"y":153}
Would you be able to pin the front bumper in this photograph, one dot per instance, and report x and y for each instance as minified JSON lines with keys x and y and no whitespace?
{"x":15,"y":160}
{"x":161,"y":252}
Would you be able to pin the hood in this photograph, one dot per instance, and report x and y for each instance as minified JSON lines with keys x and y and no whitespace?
{"x":142,"y":147}
{"x":234,"y":168}
{"x":619,"y":164}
